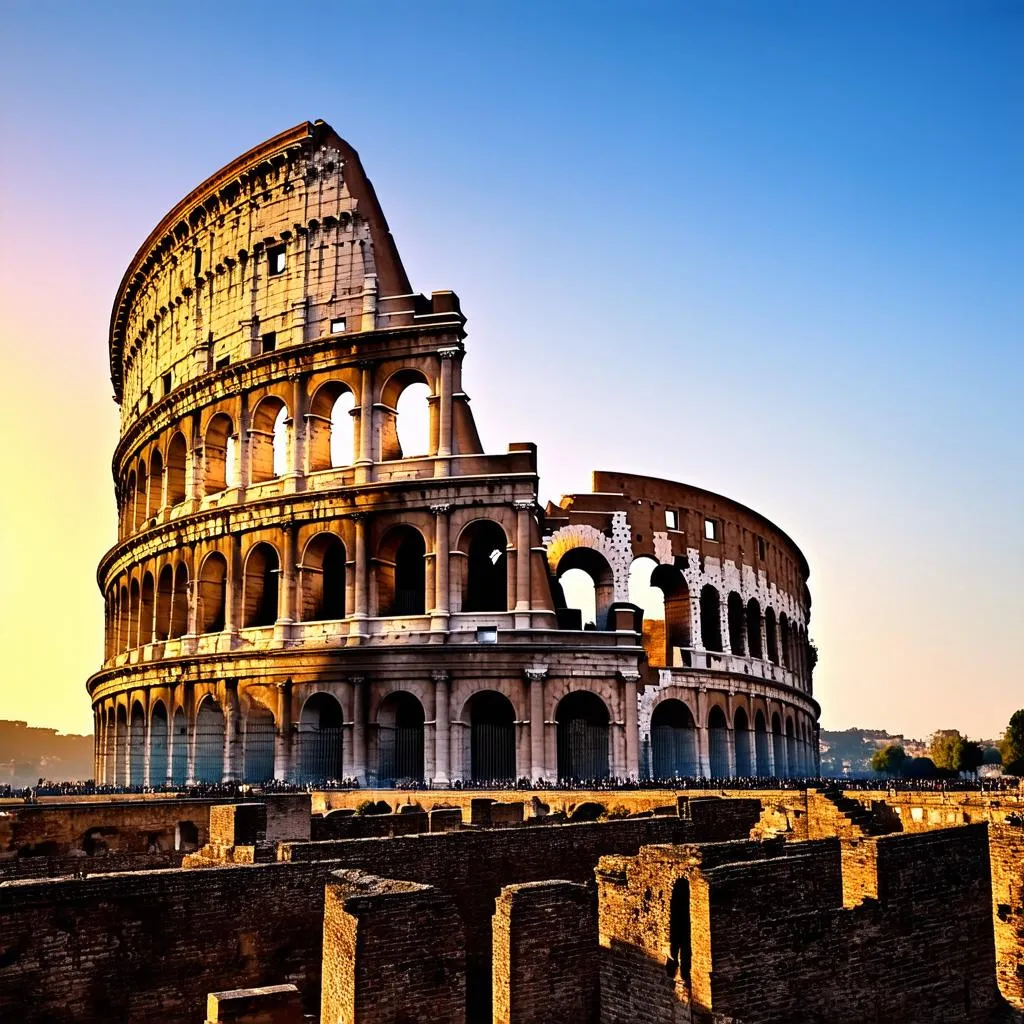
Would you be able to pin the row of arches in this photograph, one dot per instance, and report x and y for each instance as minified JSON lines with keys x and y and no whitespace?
{"x":745,"y":749}
{"x":224,"y":456}
{"x":162,"y":605}
{"x":135,"y":751}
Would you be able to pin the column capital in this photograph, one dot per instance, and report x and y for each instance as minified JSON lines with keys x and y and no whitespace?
{"x":440,"y":675}
{"x":356,"y":680}
{"x":441,"y":510}
{"x":525,"y":505}
{"x":630,"y":677}
{"x":536,"y":674}
{"x":357,"y":516}
{"x":449,"y":351}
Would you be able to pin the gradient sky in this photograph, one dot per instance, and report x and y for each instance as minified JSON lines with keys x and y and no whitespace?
{"x":773,"y":249}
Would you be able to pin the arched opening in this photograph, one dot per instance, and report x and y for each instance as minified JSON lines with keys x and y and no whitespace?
{"x":644,"y":594}
{"x":128,"y":516}
{"x":680,"y":942}
{"x":213,"y":579}
{"x":179,"y":603}
{"x":331,"y":435}
{"x":741,"y":740}
{"x":323,"y":579}
{"x":401,"y":573}
{"x":258,"y":753}
{"x":176,"y":455}
{"x":137,"y":747}
{"x":754,"y":628}
{"x":771,"y":637}
{"x":140,"y":511}
{"x":764,"y":768}
{"x":209,"y":739}
{"x":737,"y":624}
{"x":400,"y":740}
{"x":133,"y":614}
{"x":779,"y":748}
{"x":179,"y":748}
{"x":121,"y":746}
{"x":146,"y":608}
{"x":710,"y":618}
{"x":587,"y":585}
{"x":486,"y":586}
{"x":718,"y":744}
{"x":217,"y":474}
{"x":123,"y":616}
{"x":320,"y":739}
{"x":156,"y":483}
{"x":412,"y":418}
{"x":492,"y":737}
{"x":673,"y":741}
{"x":164,"y":597}
{"x":785,"y":649}
{"x":158,"y":745}
{"x":583,"y":723}
{"x":268,"y":440}
{"x":260,"y":586}
{"x":792,"y":764}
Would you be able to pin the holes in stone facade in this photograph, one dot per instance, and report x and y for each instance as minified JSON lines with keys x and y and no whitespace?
{"x":711,"y":529}
{"x":277,"y":260}
{"x":260,"y":586}
{"x":710,"y":618}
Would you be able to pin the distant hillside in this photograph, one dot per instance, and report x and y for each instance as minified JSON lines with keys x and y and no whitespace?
{"x":849,"y":751}
{"x":28,"y":754}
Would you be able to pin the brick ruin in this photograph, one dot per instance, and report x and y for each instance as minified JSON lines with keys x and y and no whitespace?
{"x":764,"y":907}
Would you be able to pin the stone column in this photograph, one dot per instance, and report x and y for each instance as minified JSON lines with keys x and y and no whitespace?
{"x":524,"y":511}
{"x":535,"y":681}
{"x":723,"y":619}
{"x":232,"y":715}
{"x":364,"y":464}
{"x":362,"y":588}
{"x":294,"y":476}
{"x":442,"y":726}
{"x":283,"y":733}
{"x":287,"y":596}
{"x":360,"y":705}
{"x":630,"y":679}
{"x":233,"y":597}
{"x":190,"y":734}
{"x":703,"y":746}
{"x":147,"y":739}
{"x":439,"y":616}
{"x":444,"y":440}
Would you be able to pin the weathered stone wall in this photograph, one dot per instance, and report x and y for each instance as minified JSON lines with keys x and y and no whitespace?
{"x":1006,"y":852}
{"x":544,"y":965}
{"x":367,"y":826}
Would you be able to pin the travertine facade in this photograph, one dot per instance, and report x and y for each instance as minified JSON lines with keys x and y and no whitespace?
{"x":296,"y":594}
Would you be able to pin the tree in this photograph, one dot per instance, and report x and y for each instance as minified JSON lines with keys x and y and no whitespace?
{"x":992,"y":756}
{"x":969,"y":756}
{"x":889,"y":760}
{"x":944,"y":747}
{"x":1012,"y":747}
{"x":920,"y":768}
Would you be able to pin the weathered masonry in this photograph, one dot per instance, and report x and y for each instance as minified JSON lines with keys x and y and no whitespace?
{"x":302,"y":589}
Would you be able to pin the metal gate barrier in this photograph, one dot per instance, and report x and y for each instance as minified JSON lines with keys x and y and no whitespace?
{"x":674,"y":752}
{"x":401,"y":755}
{"x":582,"y":750}
{"x":320,"y":754}
{"x":492,"y":751}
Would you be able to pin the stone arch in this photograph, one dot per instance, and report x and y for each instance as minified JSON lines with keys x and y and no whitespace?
{"x":678,"y":615}
{"x":406,"y":393}
{"x":592,"y":563}
{"x":771,"y":637}
{"x":331,"y":432}
{"x":179,"y":748}
{"x":323,"y":579}
{"x":754,"y":629}
{"x":179,"y":603}
{"x":792,"y":765}
{"x":718,"y":743}
{"x":673,"y":741}
{"x":779,"y":747}
{"x":164,"y":597}
{"x":140,"y":507}
{"x":268,"y":439}
{"x":212,"y":592}
{"x":209,"y":741}
{"x":137,"y":746}
{"x":217,"y":473}
{"x":490,"y":740}
{"x":133,"y":613}
{"x":146,"y":609}
{"x":258,"y":744}
{"x":128,"y":515}
{"x":741,"y":741}
{"x":737,"y":624}
{"x":485,"y":584}
{"x":320,"y":739}
{"x":616,"y":550}
{"x":156,"y":483}
{"x":175,"y":470}
{"x":710,"y":618}
{"x":785,"y":651}
{"x":260,"y":585}
{"x":158,"y":736}
{"x":583,"y":735}
{"x":401,"y":572}
{"x":400,"y":735}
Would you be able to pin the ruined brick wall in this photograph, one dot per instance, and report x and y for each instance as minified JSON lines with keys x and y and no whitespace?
{"x":716,"y":819}
{"x":367,"y":826}
{"x":1006,"y":856}
{"x":544,"y":965}
{"x":393,"y":953}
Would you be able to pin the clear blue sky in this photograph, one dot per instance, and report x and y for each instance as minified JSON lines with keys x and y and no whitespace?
{"x":774,"y":249}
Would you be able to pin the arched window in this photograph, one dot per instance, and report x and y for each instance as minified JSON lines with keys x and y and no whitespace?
{"x":585,"y":583}
{"x":179,"y":748}
{"x":779,"y":748}
{"x":741,"y":739}
{"x":213,"y":578}
{"x":121,"y":747}
{"x":209,"y":757}
{"x":133,"y":614}
{"x":754,"y":628}
{"x":158,"y":745}
{"x":176,"y":456}
{"x":583,"y":722}
{"x":258,"y":755}
{"x":764,"y":770}
{"x":268,"y":440}
{"x":710,"y":618}
{"x":320,"y":738}
{"x":486,"y":584}
{"x":400,"y":740}
{"x":260,"y":586}
{"x":323,"y":579}
{"x":673,"y":741}
{"x":792,"y":766}
{"x":401,"y":573}
{"x":129,"y":503}
{"x":179,"y":603}
{"x":492,"y":737}
{"x":217,"y":475}
{"x":164,"y":597}
{"x":737,"y":624}
{"x":770,"y":636}
{"x":405,"y":418}
{"x":331,"y":436}
{"x":785,"y":650}
{"x":146,"y":610}
{"x":678,"y":624}
{"x":156,"y":483}
{"x":718,"y":743}
{"x":139,"y":515}
{"x":137,"y":747}
{"x":123,"y":619}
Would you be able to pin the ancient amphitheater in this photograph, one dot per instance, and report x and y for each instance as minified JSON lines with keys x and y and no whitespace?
{"x":301,"y":592}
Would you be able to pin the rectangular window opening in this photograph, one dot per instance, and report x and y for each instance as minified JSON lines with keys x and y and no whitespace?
{"x":338,"y":325}
{"x":671,"y":519}
{"x":269,"y":341}
{"x":761,"y":547}
{"x":276,"y":261}
{"x":197,"y":262}
{"x":222,"y":362}
{"x":168,"y":380}
{"x":487,"y":634}
{"x":711,"y":529}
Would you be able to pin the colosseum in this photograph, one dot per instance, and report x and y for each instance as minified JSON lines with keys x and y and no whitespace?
{"x":307,"y":588}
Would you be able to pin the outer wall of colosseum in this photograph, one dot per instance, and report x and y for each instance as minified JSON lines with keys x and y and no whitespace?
{"x":303,"y":590}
